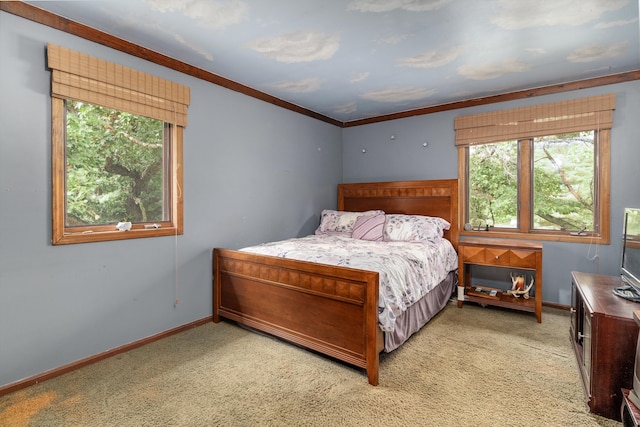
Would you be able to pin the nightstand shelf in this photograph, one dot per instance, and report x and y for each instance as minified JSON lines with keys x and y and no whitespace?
{"x":517,"y":255}
{"x":505,"y":301}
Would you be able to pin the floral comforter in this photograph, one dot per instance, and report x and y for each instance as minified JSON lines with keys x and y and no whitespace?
{"x":408,"y":270}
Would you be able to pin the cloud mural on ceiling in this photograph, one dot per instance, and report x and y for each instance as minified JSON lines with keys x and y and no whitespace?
{"x":299,"y":86}
{"x":393,"y":39}
{"x":347,"y":109}
{"x":389,"y":5}
{"x":597,"y":52}
{"x":200,"y":50}
{"x":360,"y":77}
{"x":605,"y":25}
{"x":492,"y":70}
{"x":157,"y":28}
{"x":536,"y":50}
{"x":217,"y":15}
{"x":431,"y":58}
{"x":299,"y":46}
{"x":519,"y":14}
{"x":398,"y":94}
{"x":353,"y":59}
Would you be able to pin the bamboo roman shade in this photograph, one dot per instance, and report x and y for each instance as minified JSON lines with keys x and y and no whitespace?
{"x":89,"y":79}
{"x":582,"y":114}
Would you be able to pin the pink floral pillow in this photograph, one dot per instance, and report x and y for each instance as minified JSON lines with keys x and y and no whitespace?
{"x":369,"y":227}
{"x":340,"y":222}
{"x":414,"y":228}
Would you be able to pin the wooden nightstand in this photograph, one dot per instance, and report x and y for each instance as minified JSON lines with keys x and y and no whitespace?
{"x":517,"y":255}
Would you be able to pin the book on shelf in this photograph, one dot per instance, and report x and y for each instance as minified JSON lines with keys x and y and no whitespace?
{"x":486,"y":292}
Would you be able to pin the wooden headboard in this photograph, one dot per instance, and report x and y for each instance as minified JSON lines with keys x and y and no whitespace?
{"x":431,"y":198}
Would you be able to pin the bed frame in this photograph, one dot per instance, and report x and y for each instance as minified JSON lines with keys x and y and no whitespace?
{"x":332,"y":310}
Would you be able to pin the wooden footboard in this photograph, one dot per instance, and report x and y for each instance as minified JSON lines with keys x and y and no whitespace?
{"x":329,"y":309}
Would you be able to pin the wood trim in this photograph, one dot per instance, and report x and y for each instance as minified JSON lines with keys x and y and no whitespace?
{"x":510,"y":96}
{"x":49,"y":19}
{"x":538,"y":236}
{"x":57,"y":169}
{"x":177,"y":192}
{"x":27,"y":382}
{"x":525,"y":182}
{"x":604,"y":185}
{"x":556,"y":305}
{"x":463,"y":187}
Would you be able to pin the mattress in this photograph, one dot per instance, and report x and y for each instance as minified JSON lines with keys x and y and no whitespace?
{"x":408,"y":270}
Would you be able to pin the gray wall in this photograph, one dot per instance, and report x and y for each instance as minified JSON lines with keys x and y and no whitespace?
{"x":404,"y":157}
{"x":253,"y":172}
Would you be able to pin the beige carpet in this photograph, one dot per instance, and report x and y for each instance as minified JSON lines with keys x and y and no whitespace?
{"x":469,"y":367}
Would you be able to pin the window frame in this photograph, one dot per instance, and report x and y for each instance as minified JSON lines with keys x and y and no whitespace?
{"x":63,"y":234}
{"x":601,"y":232}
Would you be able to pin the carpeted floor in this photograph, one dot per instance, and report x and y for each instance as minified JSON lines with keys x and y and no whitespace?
{"x":473,"y":366}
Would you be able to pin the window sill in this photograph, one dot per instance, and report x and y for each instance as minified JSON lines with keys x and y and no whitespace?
{"x":555,"y":237}
{"x":84,"y":235}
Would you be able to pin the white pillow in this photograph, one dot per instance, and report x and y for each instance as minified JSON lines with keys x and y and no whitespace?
{"x":414,"y":228}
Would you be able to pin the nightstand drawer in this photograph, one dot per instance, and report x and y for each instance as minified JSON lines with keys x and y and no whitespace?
{"x":522,"y":259}
{"x":499,"y":256}
{"x":472,"y":254}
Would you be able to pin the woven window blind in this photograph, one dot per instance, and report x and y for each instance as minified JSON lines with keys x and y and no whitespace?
{"x":593,"y":113}
{"x":89,"y":79}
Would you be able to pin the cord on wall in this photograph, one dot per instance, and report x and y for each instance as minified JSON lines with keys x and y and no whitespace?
{"x":596,"y":253}
{"x":177,"y":279}
{"x":174,"y":138}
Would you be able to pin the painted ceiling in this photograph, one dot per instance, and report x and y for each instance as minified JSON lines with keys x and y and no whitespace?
{"x":354,"y":59}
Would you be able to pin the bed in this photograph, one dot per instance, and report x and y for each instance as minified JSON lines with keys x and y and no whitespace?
{"x":334,"y":309}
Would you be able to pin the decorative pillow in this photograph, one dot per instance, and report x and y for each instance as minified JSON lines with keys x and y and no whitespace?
{"x":414,"y":228}
{"x":369,"y":227}
{"x":340,"y":222}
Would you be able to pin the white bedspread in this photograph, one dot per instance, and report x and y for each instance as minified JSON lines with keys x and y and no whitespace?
{"x":408,"y":270}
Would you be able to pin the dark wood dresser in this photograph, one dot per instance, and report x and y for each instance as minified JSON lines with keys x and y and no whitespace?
{"x":604,"y":336}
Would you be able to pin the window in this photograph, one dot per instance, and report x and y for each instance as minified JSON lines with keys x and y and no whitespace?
{"x":538,"y":172}
{"x":493,"y":184}
{"x":116,"y":150}
{"x":564,"y":179}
